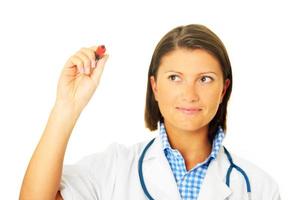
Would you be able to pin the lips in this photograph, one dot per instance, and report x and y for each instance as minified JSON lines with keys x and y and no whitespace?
{"x":189,"y":110}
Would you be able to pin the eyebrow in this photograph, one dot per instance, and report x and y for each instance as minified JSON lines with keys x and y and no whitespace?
{"x":196,"y":74}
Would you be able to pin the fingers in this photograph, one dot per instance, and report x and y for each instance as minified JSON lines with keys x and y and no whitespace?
{"x":96,"y":75}
{"x":77,"y":62}
{"x":94,"y":48}
{"x":84,"y":60}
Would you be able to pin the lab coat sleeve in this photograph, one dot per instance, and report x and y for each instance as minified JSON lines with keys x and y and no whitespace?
{"x":276,"y":194}
{"x":270,"y":186}
{"x":91,"y":178}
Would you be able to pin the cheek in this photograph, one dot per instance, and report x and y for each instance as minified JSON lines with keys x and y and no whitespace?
{"x":167,"y":95}
{"x":213,"y":98}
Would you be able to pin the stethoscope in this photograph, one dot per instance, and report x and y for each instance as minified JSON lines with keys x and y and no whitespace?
{"x":232,"y":165}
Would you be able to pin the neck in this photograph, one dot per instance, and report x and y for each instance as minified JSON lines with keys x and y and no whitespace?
{"x":194,"y":145}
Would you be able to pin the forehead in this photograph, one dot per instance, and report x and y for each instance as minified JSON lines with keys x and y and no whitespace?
{"x":189,"y":61}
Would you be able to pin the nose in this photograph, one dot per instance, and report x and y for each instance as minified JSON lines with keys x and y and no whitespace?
{"x":189,"y":93}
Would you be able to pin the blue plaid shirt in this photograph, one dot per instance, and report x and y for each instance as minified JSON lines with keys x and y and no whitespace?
{"x":188,"y":182}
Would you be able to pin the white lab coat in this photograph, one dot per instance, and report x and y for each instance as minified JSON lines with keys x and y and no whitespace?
{"x":113,"y":175}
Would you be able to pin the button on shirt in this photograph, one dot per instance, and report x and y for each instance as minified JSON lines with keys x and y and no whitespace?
{"x":188,"y":182}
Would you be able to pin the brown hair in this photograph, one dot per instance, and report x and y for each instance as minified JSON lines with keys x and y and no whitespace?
{"x":193,"y":36}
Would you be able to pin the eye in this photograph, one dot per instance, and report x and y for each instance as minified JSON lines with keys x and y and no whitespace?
{"x":173,"y":77}
{"x":206,"y":79}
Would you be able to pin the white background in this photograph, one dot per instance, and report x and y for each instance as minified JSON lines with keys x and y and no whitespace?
{"x":37,"y":37}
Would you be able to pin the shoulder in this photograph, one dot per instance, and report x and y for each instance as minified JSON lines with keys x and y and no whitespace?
{"x":115,"y":152}
{"x":262,"y":183}
{"x":253,"y":169}
{"x":129,"y":152}
{"x":96,"y":174}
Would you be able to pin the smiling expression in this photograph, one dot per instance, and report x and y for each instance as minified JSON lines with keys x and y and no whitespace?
{"x":189,"y":88}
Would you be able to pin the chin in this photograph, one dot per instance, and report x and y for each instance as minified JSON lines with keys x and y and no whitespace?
{"x":189,"y":125}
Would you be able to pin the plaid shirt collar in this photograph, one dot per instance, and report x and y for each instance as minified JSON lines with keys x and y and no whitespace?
{"x":217,"y":143}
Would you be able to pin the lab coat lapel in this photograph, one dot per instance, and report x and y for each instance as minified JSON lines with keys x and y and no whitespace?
{"x":159,"y":178}
{"x":214,"y":186}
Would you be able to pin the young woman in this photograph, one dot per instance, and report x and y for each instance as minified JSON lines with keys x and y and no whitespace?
{"x":189,"y":85}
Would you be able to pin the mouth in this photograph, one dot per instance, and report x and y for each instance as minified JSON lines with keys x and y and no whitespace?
{"x":189,"y":111}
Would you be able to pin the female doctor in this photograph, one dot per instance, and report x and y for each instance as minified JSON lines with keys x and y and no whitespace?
{"x":189,"y":85}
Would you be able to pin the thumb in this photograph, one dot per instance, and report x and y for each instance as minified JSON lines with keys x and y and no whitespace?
{"x":97,"y":73}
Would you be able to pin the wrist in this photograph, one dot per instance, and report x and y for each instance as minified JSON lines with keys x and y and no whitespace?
{"x":67,"y":110}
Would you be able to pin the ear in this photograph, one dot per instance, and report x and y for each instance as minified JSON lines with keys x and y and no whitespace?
{"x":153,"y":86}
{"x":226,"y":85}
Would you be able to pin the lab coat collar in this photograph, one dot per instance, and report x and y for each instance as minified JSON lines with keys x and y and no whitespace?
{"x":158,"y":176}
{"x":214,"y":186}
{"x":161,"y":182}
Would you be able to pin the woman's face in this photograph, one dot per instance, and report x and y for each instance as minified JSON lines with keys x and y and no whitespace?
{"x":189,"y":88}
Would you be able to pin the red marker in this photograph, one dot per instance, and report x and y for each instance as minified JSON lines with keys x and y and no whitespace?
{"x":100,"y":52}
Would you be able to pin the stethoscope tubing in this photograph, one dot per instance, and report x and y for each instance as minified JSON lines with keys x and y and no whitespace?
{"x":142,"y":181}
{"x":232,"y":165}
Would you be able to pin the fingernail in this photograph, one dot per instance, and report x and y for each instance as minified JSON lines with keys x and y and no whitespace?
{"x":93,"y":64}
{"x":81,"y":69}
{"x":87,"y":71}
